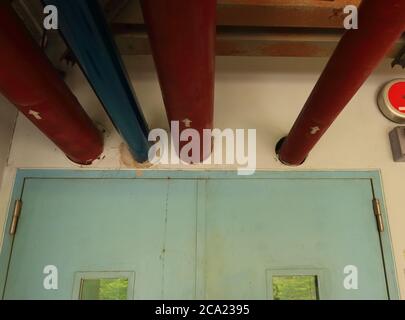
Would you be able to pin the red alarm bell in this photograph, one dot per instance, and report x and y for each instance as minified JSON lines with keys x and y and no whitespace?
{"x":391,"y":100}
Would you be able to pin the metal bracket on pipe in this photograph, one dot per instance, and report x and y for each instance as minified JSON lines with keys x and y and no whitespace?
{"x":400,"y":58}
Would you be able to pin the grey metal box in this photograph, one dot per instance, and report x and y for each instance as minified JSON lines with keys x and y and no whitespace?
{"x":397,"y":138}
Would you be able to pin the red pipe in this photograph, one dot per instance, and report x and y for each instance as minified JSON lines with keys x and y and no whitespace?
{"x":381,"y":23}
{"x":182,"y":36}
{"x":28,"y":80}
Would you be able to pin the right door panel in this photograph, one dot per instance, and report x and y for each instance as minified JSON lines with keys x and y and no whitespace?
{"x":263,"y":236}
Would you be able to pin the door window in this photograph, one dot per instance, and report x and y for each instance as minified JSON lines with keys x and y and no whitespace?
{"x":295,"y":287}
{"x":103,"y":286}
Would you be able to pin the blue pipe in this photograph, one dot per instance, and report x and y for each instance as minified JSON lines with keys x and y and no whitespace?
{"x":85,"y":29}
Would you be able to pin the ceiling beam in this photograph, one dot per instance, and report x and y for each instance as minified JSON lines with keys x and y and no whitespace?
{"x":265,"y":13}
{"x":284,"y":13}
{"x":276,"y":42}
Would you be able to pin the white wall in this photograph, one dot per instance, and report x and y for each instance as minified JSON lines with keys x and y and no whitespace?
{"x":8,"y":116}
{"x":262,"y":93}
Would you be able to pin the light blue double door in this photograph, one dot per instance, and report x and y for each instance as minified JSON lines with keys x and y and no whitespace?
{"x":197,"y":239}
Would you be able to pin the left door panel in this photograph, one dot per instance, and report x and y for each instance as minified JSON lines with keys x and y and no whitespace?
{"x":99,"y":226}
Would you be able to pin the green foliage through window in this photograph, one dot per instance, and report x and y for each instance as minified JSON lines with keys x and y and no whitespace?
{"x":295,"y":288}
{"x":104,"y":289}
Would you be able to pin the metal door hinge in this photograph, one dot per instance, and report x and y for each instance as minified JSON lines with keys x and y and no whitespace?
{"x":16,"y":216}
{"x":378,"y":215}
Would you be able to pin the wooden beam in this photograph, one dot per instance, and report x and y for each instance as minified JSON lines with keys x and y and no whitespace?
{"x":284,"y":13}
{"x":112,"y":8}
{"x":276,"y":42}
{"x":266,"y":13}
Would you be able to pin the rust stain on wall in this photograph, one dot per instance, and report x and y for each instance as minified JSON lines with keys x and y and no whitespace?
{"x":128,"y":161}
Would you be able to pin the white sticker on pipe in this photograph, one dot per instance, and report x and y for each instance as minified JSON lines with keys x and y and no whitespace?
{"x":35,"y":114}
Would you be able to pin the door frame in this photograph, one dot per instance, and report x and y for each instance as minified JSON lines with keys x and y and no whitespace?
{"x":373,"y":175}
